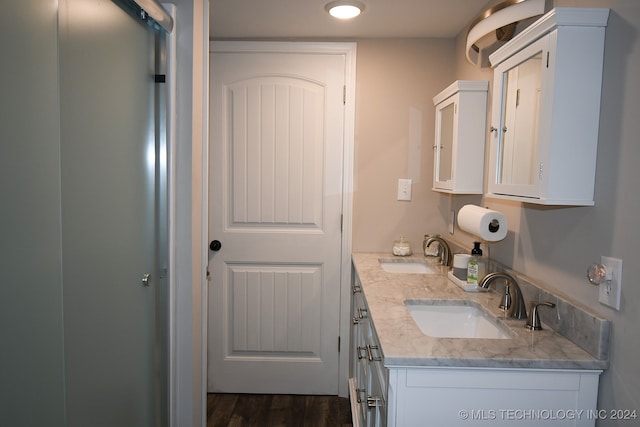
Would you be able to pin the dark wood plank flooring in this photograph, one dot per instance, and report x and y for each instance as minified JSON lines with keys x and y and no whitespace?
{"x":270,"y":410}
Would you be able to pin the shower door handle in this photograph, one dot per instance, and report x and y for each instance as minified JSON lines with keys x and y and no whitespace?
{"x":146,"y":279}
{"x":215,"y":245}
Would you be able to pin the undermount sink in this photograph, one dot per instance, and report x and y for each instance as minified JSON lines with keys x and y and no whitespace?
{"x":412,"y":266}
{"x":455,"y":319}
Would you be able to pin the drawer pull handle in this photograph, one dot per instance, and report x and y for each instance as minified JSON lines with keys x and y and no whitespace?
{"x":362,"y":313}
{"x":357,"y":289}
{"x":370,"y":356}
{"x":373,"y":401}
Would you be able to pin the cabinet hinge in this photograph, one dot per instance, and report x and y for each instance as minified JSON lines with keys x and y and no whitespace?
{"x":344,"y":95}
{"x":540,"y":171}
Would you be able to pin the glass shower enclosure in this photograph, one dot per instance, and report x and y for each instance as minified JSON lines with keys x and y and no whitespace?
{"x":112,"y":61}
{"x":84,"y":159}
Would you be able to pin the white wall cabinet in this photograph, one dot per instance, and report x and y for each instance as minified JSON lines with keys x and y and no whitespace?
{"x":546,"y":109}
{"x":458,"y":151}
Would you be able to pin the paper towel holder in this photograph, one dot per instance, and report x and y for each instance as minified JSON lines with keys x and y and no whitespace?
{"x":486,"y":224}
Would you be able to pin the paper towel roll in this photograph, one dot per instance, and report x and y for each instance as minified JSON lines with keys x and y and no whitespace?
{"x":489,"y":225}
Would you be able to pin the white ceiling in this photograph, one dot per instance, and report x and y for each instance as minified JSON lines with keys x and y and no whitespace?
{"x":259,"y":19}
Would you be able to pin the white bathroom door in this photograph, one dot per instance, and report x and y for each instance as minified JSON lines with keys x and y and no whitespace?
{"x":276,"y":150}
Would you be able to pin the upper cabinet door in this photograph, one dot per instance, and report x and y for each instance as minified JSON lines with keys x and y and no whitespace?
{"x":460,"y":134}
{"x":546,"y":110}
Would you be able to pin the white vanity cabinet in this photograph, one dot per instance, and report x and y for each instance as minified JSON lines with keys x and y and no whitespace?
{"x":391,"y":392}
{"x":409,"y":396}
{"x":463,"y":397}
{"x":368,"y":376}
{"x":546,"y":109}
{"x":458,"y":150}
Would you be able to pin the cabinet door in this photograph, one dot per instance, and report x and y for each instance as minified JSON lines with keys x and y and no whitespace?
{"x":517,"y":151}
{"x":458,"y":149}
{"x":359,"y":353}
{"x":546,"y":110}
{"x":377,"y":398}
{"x":446,"y":125}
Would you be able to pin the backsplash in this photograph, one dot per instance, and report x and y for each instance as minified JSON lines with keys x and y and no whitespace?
{"x":576,"y":323}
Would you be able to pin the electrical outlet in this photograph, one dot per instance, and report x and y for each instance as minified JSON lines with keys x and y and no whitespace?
{"x":404,"y":189}
{"x":611,"y":289}
{"x":452,"y":221}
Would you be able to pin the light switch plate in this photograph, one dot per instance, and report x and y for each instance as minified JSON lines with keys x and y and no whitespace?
{"x":611,"y":290}
{"x":404,"y":189}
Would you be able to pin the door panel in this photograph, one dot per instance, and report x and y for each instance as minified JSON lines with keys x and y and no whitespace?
{"x":274,"y":159}
{"x":275,"y":203}
{"x":271,"y":307}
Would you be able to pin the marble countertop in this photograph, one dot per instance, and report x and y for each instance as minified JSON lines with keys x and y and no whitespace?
{"x":403,"y":344}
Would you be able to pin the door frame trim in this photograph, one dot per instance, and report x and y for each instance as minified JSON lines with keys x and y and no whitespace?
{"x":188,"y":405}
{"x":348,"y":49}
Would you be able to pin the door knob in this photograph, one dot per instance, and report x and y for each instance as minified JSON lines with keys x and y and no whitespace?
{"x":215,"y":245}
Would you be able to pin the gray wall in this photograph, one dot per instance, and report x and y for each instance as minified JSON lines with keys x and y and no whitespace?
{"x":555,"y":245}
{"x":31,"y":335}
{"x":396,"y":80}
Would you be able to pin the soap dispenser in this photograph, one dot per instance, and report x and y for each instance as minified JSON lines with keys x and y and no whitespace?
{"x":476,"y":269}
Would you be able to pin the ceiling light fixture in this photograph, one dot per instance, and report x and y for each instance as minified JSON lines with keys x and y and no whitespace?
{"x":497,"y":25}
{"x":344,"y":9}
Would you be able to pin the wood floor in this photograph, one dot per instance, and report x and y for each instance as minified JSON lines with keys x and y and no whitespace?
{"x":225,"y":409}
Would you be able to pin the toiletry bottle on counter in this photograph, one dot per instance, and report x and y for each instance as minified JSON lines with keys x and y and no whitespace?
{"x":479,"y":266}
{"x":472,"y":271}
{"x":476,"y":268}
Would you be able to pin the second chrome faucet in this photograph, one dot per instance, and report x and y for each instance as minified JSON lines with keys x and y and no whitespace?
{"x":443,"y":249}
{"x":517,"y":309}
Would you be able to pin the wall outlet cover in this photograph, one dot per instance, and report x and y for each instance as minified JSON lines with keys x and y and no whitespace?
{"x":611,"y":290}
{"x":452,"y":221}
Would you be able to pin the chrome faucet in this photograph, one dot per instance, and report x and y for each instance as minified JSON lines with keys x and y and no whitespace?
{"x":533,"y":322}
{"x":518,"y":310}
{"x":444,"y":251}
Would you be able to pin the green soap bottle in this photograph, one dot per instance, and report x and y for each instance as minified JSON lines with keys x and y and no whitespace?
{"x":476,"y":267}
